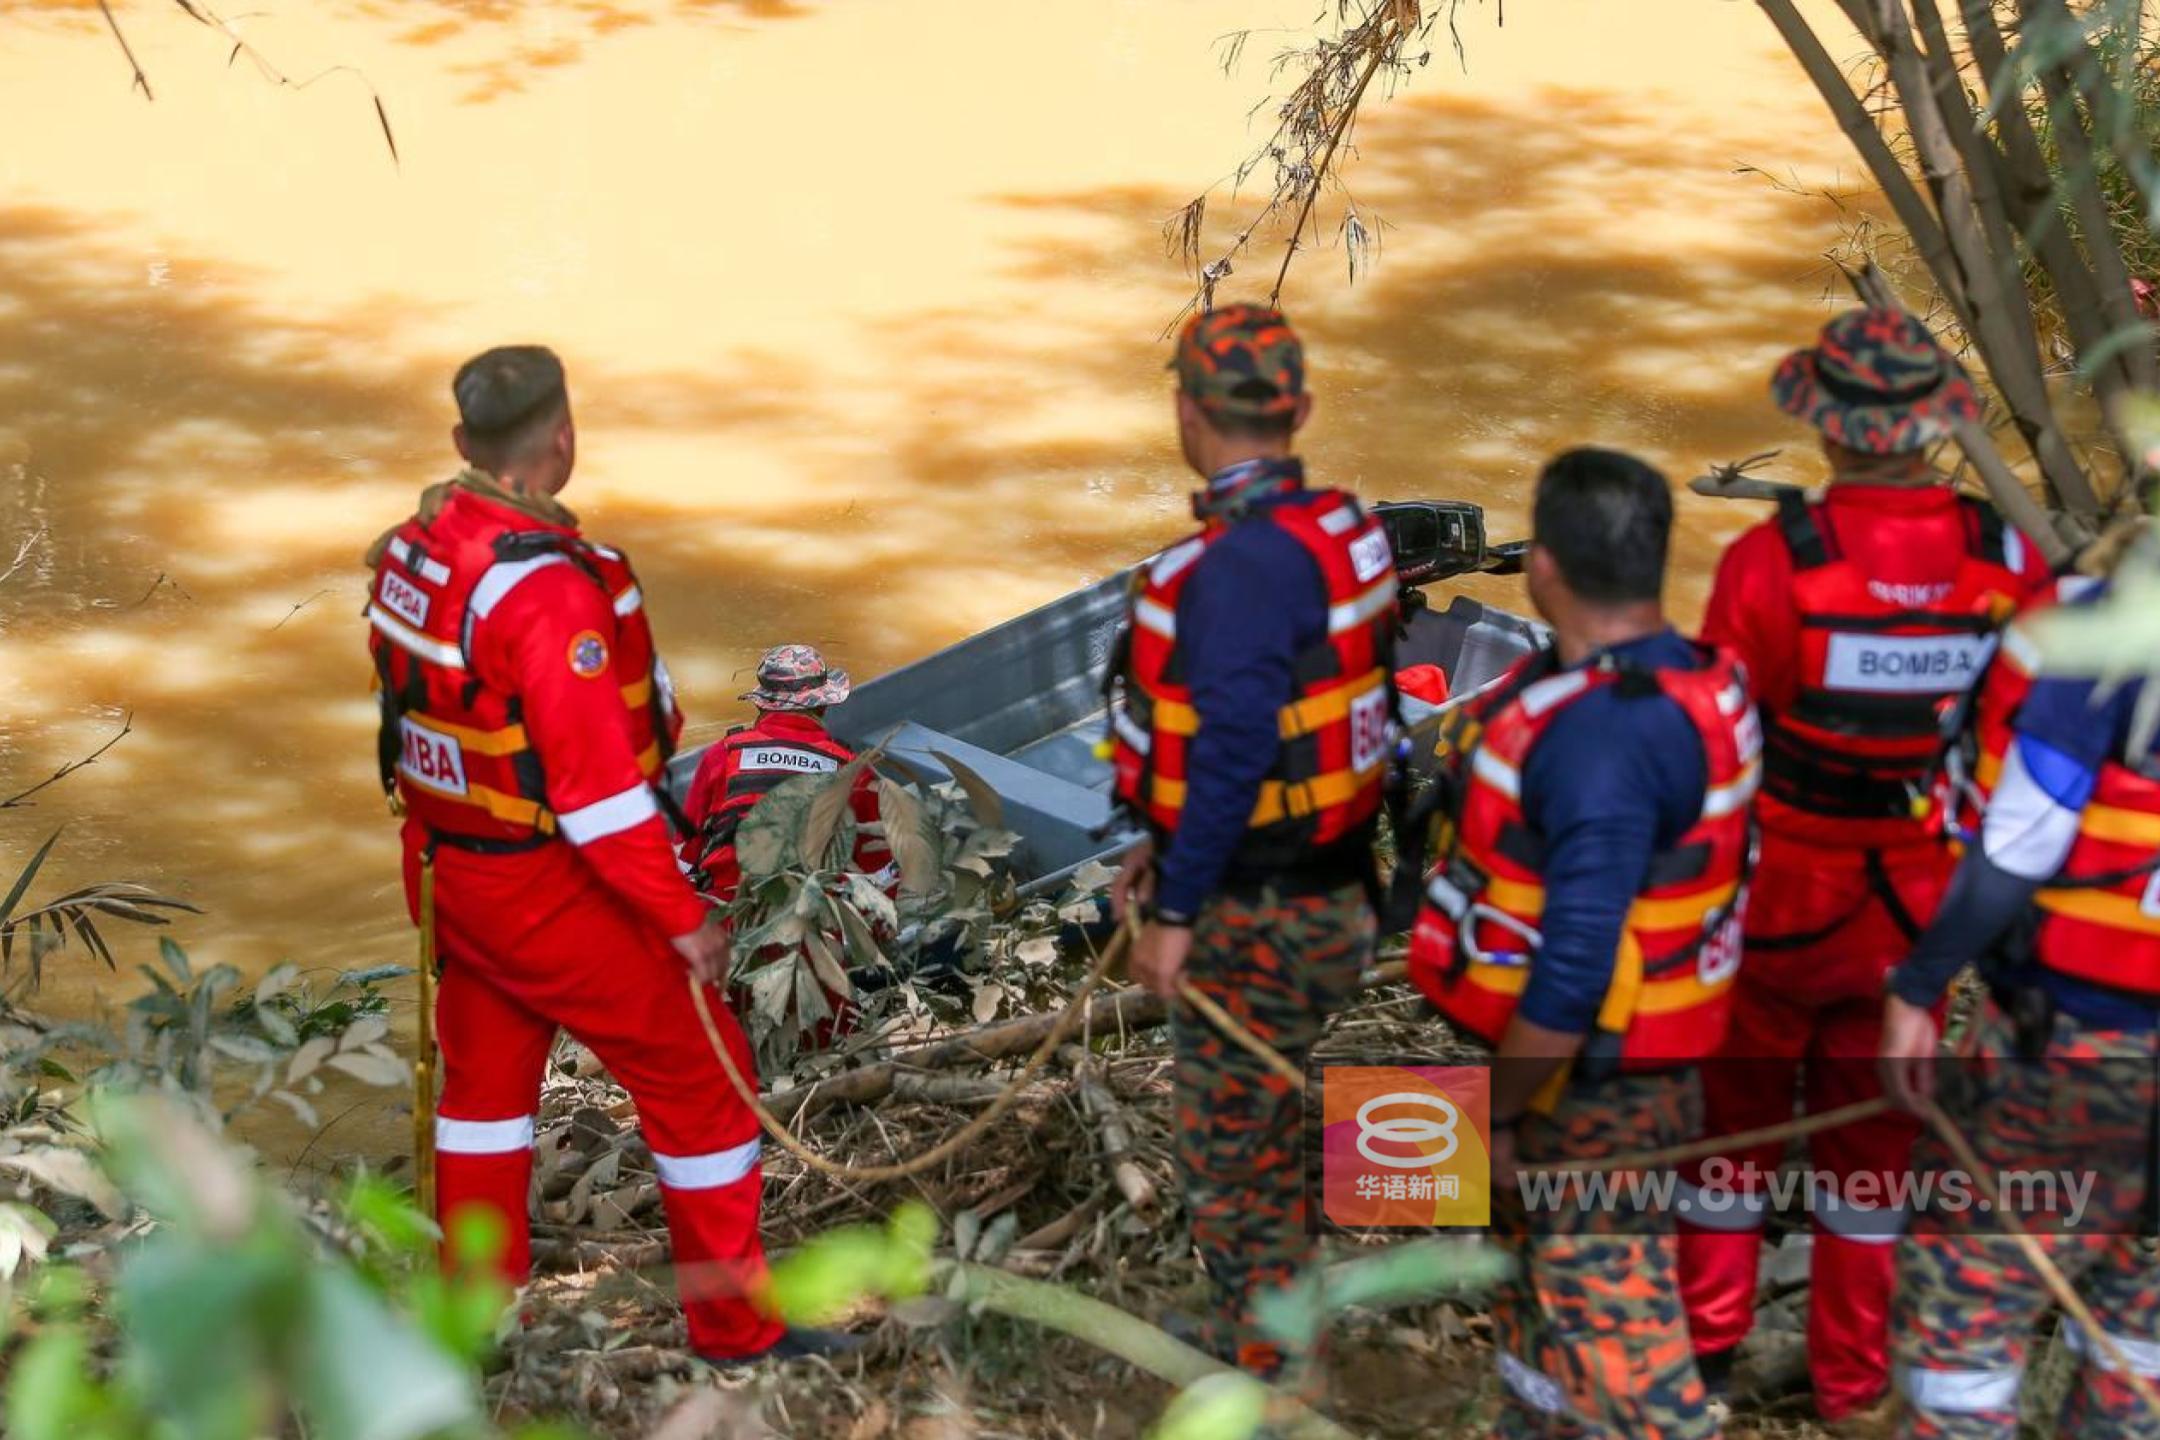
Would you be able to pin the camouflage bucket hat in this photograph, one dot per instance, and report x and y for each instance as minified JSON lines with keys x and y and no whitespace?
{"x":1876,"y":382}
{"x":1241,"y":360}
{"x":794,"y":677}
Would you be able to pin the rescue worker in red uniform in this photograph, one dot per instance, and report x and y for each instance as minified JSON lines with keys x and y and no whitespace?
{"x":1859,"y":617}
{"x":526,"y":721}
{"x":1585,"y":923}
{"x":787,"y":739}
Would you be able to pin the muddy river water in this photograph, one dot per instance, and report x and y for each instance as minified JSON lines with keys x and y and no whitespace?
{"x":861,"y":301}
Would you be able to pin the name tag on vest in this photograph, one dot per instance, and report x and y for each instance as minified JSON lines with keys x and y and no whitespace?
{"x":1904,"y":664}
{"x":1369,"y":555}
{"x":431,"y":759}
{"x":1368,"y":730}
{"x":788,"y":758}
{"x":403,"y":598}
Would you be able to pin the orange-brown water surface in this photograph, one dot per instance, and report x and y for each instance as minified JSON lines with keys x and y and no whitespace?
{"x":861,"y":301}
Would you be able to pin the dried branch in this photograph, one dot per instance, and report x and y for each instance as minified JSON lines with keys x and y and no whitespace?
{"x":1314,"y":121}
{"x":22,"y":800}
{"x":1117,"y":1145}
{"x":141,"y":81}
{"x":203,"y":15}
{"x":22,"y":554}
{"x":297,"y":609}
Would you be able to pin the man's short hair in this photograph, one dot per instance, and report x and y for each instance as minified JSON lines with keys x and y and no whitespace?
{"x":508,"y":398}
{"x":1606,"y":519}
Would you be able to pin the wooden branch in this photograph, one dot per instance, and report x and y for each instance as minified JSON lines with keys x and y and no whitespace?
{"x":1132,"y":1181}
{"x":2002,"y":330}
{"x":2010,"y":497}
{"x":1905,"y":199}
{"x":141,"y":81}
{"x":1129,"y":1009}
{"x":1743,"y":487}
{"x":127,"y":727}
{"x":1057,"y":1233}
{"x":1327,"y":157}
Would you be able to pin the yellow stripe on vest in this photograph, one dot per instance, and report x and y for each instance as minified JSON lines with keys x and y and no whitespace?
{"x":1277,"y":800}
{"x":511,"y":809}
{"x":507,"y":741}
{"x":638,"y":693}
{"x":2100,"y":907}
{"x":1525,"y":900}
{"x":1295,"y":720}
{"x":2121,"y":827}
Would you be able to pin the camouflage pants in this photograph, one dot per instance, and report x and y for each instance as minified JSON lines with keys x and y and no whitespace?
{"x":1279,"y":965}
{"x":1968,"y":1298}
{"x":1591,"y":1336}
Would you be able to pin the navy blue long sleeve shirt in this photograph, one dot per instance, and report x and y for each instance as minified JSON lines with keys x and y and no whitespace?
{"x":1251,"y":605}
{"x":1611,"y":781}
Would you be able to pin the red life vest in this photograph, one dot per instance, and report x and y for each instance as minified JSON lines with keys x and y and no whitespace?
{"x":1326,"y":782}
{"x":754,"y":759}
{"x":2099,"y":915}
{"x":1476,"y":935}
{"x":453,"y":749}
{"x":1876,"y":672}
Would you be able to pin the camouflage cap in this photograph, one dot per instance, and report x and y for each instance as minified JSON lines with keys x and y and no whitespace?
{"x":1242,"y":360}
{"x":1876,"y":382}
{"x":795,"y":677}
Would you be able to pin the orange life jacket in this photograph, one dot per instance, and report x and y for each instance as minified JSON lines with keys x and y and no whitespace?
{"x":1477,"y":931}
{"x":1326,"y":782}
{"x":453,"y":749}
{"x":1875,"y":673}
{"x":2099,"y":915}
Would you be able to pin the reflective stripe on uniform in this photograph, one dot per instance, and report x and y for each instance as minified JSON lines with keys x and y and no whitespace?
{"x":432,"y":571}
{"x":1155,"y":616}
{"x":2141,"y":1353}
{"x":619,"y":812}
{"x":1553,"y":690}
{"x":1960,"y":1392}
{"x":628,"y":602}
{"x":1446,"y":895}
{"x":398,"y":633}
{"x":1496,"y":772}
{"x":503,"y":577}
{"x":2019,"y":649}
{"x":1130,"y":731}
{"x":1355,"y":612}
{"x":1722,"y":800}
{"x":1735,"y":1212}
{"x":1862,"y":1224}
{"x":709,"y":1171}
{"x":483,"y":1137}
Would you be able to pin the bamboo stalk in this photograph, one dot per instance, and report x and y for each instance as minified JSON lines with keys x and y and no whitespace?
{"x":1095,"y":1097}
{"x":2010,"y":497}
{"x":1906,"y":202}
{"x":2004,"y":333}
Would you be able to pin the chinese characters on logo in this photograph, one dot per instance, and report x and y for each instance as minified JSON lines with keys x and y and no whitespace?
{"x":1405,"y":1145}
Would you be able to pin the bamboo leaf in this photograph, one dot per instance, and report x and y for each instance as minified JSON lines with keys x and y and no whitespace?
{"x":370,"y":1069}
{"x":29,"y":873}
{"x":988,"y":805}
{"x":862,"y":946}
{"x":830,"y":972}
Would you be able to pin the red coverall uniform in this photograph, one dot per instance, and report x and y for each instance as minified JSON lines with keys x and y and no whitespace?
{"x":573,"y":932}
{"x":1823,"y":929}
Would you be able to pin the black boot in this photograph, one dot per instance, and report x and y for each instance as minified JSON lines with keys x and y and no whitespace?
{"x":797,"y":1342}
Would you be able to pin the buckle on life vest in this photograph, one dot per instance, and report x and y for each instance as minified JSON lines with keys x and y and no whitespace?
{"x":1481,"y":913}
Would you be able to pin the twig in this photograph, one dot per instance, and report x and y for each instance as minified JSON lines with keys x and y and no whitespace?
{"x":22,"y":799}
{"x":142,"y":81}
{"x":297,"y":609}
{"x":2010,"y":496}
{"x":1343,"y":122}
{"x":22,"y":554}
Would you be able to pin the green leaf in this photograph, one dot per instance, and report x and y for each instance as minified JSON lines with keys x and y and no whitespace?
{"x":50,"y":1393}
{"x":29,"y":873}
{"x":197,"y":1317}
{"x":1228,"y":1405}
{"x":819,"y":1281}
{"x":175,"y":959}
{"x":364,"y":1374}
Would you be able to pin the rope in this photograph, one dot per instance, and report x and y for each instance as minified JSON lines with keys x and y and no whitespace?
{"x":952,"y":1144}
{"x":423,"y":1109}
{"x":2050,"y":1274}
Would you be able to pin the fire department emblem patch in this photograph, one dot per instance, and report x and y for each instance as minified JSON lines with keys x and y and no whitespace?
{"x":588,"y":654}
